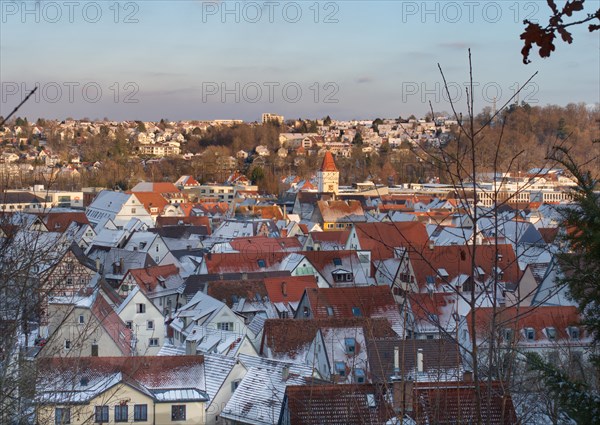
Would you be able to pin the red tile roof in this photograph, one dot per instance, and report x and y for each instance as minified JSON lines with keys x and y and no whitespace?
{"x":288,"y":289}
{"x":334,"y":211}
{"x":289,"y":337}
{"x":151,"y":371}
{"x":152,"y":200}
{"x":455,"y":402}
{"x":242,"y":261}
{"x":225,"y":290}
{"x":456,"y":259}
{"x":263,"y":244}
{"x":112,"y":324}
{"x":338,"y":236}
{"x":338,"y":404}
{"x":536,"y":317}
{"x":59,"y":222}
{"x":189,"y":220}
{"x":382,"y":238}
{"x":369,"y":299}
{"x":147,"y":278}
{"x":328,"y":163}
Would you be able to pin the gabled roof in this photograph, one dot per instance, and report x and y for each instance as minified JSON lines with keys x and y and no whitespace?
{"x":369,"y":299}
{"x":338,"y":404}
{"x":328,"y":163}
{"x":334,"y":237}
{"x":163,"y":221}
{"x":230,"y":291}
{"x":148,"y":278}
{"x":455,"y":402}
{"x":538,"y":318}
{"x":382,"y":238}
{"x":156,"y":187}
{"x":112,"y":324}
{"x":441,"y":358}
{"x":288,"y":288}
{"x":152,"y":200}
{"x":341,"y":211}
{"x":262,"y":244}
{"x":456,"y":260}
{"x":289,"y":338}
{"x":258,"y":398}
{"x":60,"y":221}
{"x":61,"y":379}
{"x":358,"y":301}
{"x":241,"y":262}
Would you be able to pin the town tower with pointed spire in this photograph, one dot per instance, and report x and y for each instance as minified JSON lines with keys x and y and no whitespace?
{"x":328,"y":177}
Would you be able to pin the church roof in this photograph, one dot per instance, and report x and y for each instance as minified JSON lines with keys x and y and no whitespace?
{"x":328,"y":162}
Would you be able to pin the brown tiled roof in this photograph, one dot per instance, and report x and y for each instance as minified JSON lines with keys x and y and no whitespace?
{"x":322,"y":259}
{"x":112,"y":324}
{"x":152,"y":200}
{"x":147,"y":278}
{"x":293,"y":286}
{"x":263,"y":244}
{"x":225,"y":290}
{"x":59,"y":222}
{"x":455,"y":402}
{"x":369,"y":299}
{"x":189,"y":221}
{"x":338,"y":404}
{"x":242,"y":261}
{"x":290,"y":336}
{"x":337,"y":236}
{"x":456,"y":259}
{"x":439,"y":355}
{"x":548,"y":233}
{"x":382,"y":238}
{"x":536,"y":317}
{"x":334,"y":211}
{"x":268,"y":211}
{"x":151,"y":371}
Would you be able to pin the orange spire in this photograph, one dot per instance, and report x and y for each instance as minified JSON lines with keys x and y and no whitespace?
{"x":328,"y":162}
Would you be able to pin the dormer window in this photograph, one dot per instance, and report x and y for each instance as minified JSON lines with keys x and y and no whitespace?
{"x":507,"y":335}
{"x":551,"y":333}
{"x":350,"y":344}
{"x":262,"y":264}
{"x":530,"y":334}
{"x":359,"y":375}
{"x":574,"y":332}
{"x":479,"y":271}
{"x":330,"y":311}
{"x":340,"y":368}
{"x":356,"y":312}
{"x":337,"y":261}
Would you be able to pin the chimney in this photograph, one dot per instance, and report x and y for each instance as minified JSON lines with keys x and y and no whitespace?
{"x":98,"y":265}
{"x":468,"y":376}
{"x":284,"y":288}
{"x":121,"y":265}
{"x":284,"y":232}
{"x":396,"y":361}
{"x":402,"y":395}
{"x":420,"y":360}
{"x":285,"y":373}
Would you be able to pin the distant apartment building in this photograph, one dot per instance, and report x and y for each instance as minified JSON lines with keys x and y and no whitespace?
{"x":268,"y":117}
